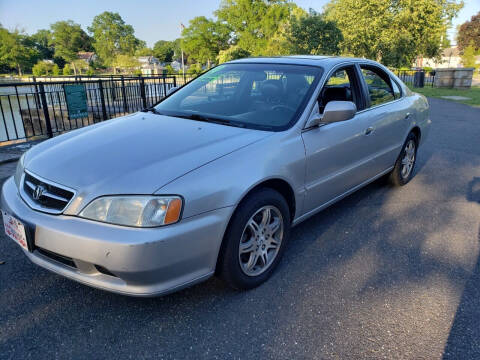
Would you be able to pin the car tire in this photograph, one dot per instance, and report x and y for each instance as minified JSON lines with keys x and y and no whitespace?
{"x":404,"y":167}
{"x":239,"y":268}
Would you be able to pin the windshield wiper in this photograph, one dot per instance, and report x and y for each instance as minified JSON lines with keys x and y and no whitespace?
{"x":152,"y":110}
{"x":215,"y":120}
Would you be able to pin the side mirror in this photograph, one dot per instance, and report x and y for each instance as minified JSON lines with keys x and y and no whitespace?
{"x":172,"y":90}
{"x":336,"y":111}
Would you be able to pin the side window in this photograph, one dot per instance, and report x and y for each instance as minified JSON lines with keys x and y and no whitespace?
{"x":379,"y":90}
{"x":340,"y":77}
{"x":396,"y":89}
{"x":339,"y":87}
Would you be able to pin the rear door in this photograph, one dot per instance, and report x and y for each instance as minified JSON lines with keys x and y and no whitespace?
{"x":388,"y":112}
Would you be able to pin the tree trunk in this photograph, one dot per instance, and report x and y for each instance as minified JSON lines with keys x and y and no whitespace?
{"x":74,"y":69}
{"x":19,"y":70}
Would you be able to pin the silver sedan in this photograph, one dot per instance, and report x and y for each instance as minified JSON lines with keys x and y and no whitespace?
{"x":211,"y":179}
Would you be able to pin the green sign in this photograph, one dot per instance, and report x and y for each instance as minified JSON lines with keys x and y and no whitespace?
{"x":76,"y":98}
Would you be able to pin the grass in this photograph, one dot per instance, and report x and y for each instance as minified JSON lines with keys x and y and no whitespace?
{"x":473,"y":94}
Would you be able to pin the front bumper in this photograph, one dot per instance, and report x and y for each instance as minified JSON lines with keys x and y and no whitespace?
{"x":139,"y":262}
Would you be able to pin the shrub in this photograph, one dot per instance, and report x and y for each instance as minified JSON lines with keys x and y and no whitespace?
{"x":55,"y":70}
{"x":67,"y":70}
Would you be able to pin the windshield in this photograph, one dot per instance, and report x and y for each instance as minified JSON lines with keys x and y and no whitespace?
{"x":259,"y":96}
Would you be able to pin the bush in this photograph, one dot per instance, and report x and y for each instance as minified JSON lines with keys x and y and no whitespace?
{"x":55,"y":70}
{"x":67,"y":70}
{"x":42,"y":68}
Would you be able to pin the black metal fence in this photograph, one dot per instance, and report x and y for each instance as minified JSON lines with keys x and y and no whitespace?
{"x":416,"y":78}
{"x":36,"y":109}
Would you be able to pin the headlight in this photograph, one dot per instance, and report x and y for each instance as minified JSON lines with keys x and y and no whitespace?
{"x":138,"y":211}
{"x":19,"y":171}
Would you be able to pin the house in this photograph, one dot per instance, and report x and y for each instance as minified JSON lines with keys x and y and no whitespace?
{"x":177,"y":66}
{"x":150,"y":65}
{"x":451,"y":58}
{"x":87,"y":56}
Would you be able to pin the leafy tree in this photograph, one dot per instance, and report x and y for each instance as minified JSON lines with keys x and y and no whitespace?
{"x":125,"y":62}
{"x":42,"y":68}
{"x":314,"y":35}
{"x":163,"y":50}
{"x":55,"y":70}
{"x":68,"y":38}
{"x":67,"y":70}
{"x":254,"y":22}
{"x":469,"y":33}
{"x":468,"y":57}
{"x":393,"y":31}
{"x":203,"y":39}
{"x":170,"y":69}
{"x":112,"y":37}
{"x":145,"y":51}
{"x":232,"y":53}
{"x":42,"y":42}
{"x":14,"y":53}
{"x":194,"y":69}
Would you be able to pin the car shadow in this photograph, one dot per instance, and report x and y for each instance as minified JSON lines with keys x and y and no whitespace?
{"x":464,"y":338}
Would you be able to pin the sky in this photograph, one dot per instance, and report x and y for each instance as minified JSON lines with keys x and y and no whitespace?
{"x":152,"y":20}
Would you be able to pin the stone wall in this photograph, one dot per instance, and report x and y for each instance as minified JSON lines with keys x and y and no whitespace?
{"x":457,"y":78}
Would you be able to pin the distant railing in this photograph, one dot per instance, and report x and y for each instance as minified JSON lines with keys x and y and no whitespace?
{"x":414,"y":77}
{"x":39,"y":108}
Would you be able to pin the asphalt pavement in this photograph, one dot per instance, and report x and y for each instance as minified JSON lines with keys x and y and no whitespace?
{"x":385,"y":273}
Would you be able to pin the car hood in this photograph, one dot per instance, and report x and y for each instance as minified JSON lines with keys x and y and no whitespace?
{"x":136,"y":154}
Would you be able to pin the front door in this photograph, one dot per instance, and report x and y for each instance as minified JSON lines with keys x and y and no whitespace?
{"x":338,"y":154}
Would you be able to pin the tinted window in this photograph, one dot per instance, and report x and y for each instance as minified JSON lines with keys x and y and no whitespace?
{"x":263,"y":96}
{"x":379,"y":86}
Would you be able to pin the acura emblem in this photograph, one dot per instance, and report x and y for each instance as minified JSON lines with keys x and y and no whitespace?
{"x":37,"y":193}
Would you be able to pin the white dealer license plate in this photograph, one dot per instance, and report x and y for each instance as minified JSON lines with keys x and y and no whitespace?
{"x":15,"y":230}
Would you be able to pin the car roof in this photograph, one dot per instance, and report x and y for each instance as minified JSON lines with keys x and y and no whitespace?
{"x":315,"y":60}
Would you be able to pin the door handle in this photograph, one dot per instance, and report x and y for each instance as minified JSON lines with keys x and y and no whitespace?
{"x":368,"y":131}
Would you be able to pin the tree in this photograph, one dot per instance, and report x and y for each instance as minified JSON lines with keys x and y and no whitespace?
{"x":67,"y":70}
{"x":145,"y":51}
{"x":194,"y":69}
{"x":163,"y":50}
{"x":112,"y":37}
{"x":13,"y":51}
{"x":42,"y":42}
{"x":469,"y":33}
{"x":170,"y":70}
{"x":125,"y":62}
{"x":312,"y":34}
{"x":68,"y":38}
{"x":254,"y":22}
{"x":468,"y":57}
{"x":43,"y":68}
{"x":392,"y":31}
{"x":55,"y":70}
{"x":203,"y":39}
{"x":232,"y":53}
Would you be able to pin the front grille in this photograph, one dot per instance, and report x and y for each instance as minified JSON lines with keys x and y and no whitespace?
{"x":45,"y":196}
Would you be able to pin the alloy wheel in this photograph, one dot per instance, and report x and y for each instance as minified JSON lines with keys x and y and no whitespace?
{"x":261,"y":240}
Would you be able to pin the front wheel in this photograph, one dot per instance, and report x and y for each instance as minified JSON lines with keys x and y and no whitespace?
{"x":255,"y":239}
{"x":402,"y":173}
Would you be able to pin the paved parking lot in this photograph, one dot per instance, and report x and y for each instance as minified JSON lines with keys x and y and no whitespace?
{"x":385,"y":273}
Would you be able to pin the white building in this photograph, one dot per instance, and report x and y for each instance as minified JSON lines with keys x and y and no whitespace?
{"x":450,"y":59}
{"x":150,"y":65}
